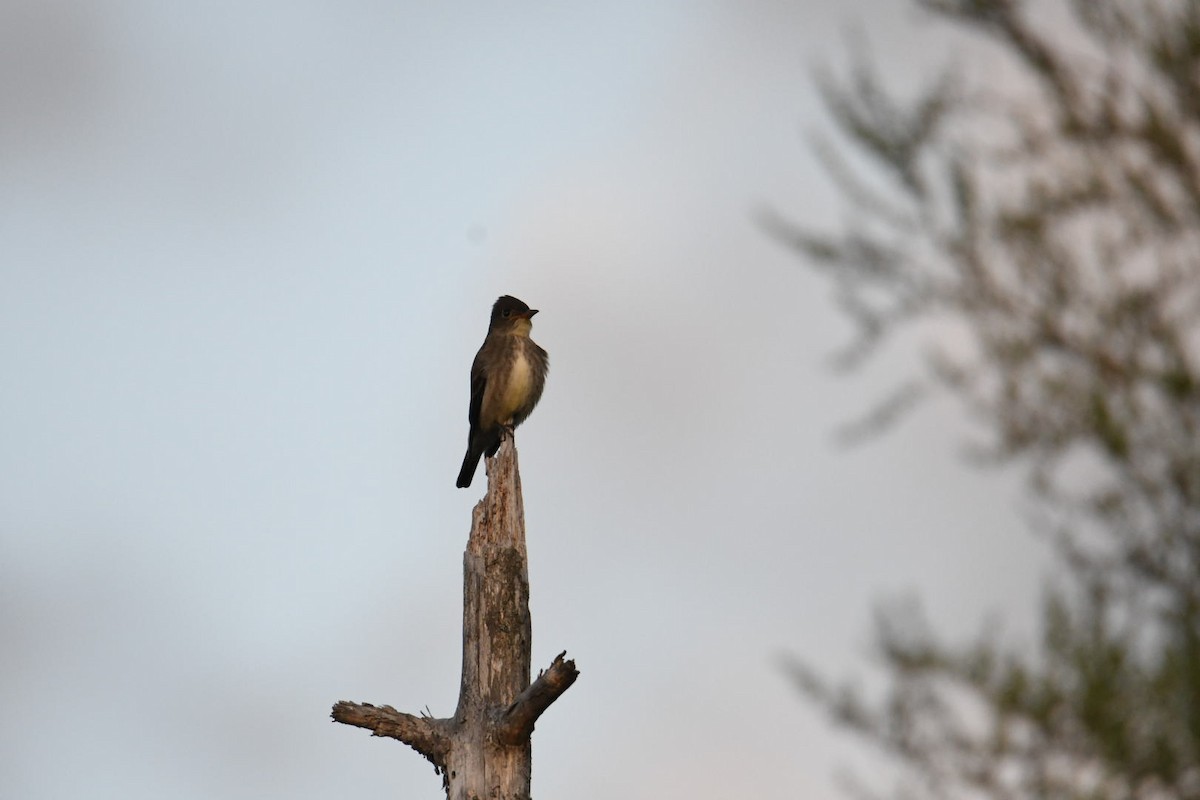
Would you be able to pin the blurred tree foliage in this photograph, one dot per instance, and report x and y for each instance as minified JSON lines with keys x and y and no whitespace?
{"x":1043,"y":227}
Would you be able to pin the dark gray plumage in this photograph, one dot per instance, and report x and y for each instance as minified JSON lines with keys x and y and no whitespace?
{"x":507,"y":378}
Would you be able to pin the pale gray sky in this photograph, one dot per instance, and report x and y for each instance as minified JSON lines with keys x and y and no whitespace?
{"x":247,"y":253}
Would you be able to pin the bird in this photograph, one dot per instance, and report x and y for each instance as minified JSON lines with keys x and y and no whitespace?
{"x":507,"y":378}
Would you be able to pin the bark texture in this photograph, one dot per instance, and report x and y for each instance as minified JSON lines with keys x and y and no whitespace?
{"x":484,"y":750}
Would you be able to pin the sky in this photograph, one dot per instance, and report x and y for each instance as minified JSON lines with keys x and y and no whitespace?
{"x":247,"y":253}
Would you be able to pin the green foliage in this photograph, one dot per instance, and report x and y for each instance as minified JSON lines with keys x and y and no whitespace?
{"x":1055,"y":216}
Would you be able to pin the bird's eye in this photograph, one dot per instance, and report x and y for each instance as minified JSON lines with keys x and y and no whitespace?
{"x":507,"y":312}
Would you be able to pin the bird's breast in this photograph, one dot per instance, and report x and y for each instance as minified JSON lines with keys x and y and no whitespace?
{"x":518,"y":386}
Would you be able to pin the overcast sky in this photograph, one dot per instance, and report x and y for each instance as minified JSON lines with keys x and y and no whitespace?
{"x":247,"y":253}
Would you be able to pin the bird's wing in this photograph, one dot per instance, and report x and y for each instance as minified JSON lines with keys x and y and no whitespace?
{"x":478,"y":384}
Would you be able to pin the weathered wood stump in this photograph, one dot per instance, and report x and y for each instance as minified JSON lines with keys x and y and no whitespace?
{"x":484,"y":750}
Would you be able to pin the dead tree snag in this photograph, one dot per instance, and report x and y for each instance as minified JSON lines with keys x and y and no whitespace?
{"x":484,"y":750}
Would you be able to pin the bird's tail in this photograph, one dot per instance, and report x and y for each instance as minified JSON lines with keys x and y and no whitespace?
{"x":470,"y":463}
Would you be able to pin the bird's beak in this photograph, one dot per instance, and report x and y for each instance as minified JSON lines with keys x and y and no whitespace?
{"x":528,"y":314}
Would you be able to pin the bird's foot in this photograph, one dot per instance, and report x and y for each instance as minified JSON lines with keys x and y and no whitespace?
{"x":507,"y":432}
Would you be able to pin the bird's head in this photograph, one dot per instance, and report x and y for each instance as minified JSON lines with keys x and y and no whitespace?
{"x":509,"y":313}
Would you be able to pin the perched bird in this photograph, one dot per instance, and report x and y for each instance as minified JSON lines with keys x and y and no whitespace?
{"x":507,"y":378}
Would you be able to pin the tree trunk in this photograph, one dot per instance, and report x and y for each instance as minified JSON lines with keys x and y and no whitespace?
{"x":484,"y":750}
